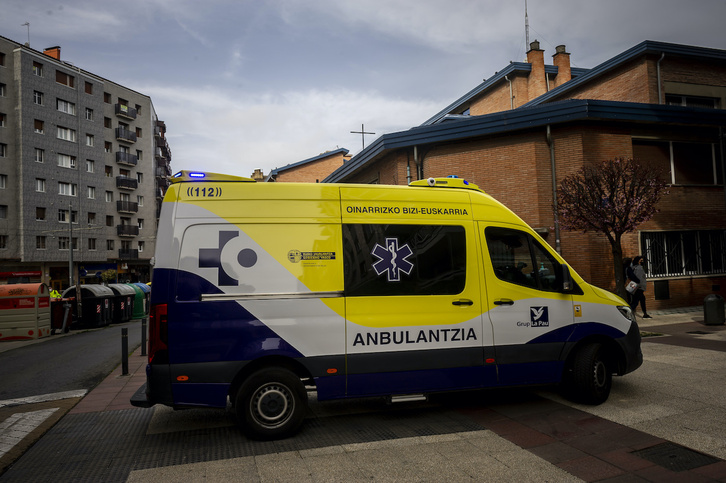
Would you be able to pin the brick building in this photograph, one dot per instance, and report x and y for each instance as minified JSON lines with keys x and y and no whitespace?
{"x":311,"y":170}
{"x":533,"y":123}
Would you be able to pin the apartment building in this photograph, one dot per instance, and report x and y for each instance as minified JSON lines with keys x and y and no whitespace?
{"x":84,"y":164}
{"x":519,"y":132}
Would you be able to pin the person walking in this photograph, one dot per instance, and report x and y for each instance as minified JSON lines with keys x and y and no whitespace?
{"x":636,"y":273}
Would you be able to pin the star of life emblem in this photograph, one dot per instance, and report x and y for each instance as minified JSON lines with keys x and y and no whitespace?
{"x":392,"y":259}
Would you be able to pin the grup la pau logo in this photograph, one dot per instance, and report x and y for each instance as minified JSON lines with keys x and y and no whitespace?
{"x":539,"y":316}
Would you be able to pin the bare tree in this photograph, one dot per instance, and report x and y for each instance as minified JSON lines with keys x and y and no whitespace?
{"x":612,"y":197}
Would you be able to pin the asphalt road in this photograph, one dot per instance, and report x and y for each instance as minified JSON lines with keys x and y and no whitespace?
{"x":73,"y":361}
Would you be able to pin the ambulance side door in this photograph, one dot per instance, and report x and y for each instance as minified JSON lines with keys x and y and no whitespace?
{"x":531,"y":316}
{"x":413,"y":309}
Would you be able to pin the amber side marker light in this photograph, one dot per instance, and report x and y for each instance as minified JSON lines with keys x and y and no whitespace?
{"x":182,"y":378}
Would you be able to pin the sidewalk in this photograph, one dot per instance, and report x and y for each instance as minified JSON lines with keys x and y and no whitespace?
{"x":647,"y":431}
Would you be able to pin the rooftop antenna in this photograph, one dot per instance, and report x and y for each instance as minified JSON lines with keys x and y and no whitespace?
{"x":27,"y":24}
{"x":526,"y":26}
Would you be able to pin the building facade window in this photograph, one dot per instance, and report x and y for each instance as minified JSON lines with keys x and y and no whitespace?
{"x":2,"y":89}
{"x":39,"y":155}
{"x":38,"y":126}
{"x":89,"y":139}
{"x":66,"y":161}
{"x":107,"y":98}
{"x":63,"y":243}
{"x":39,"y":213}
{"x":3,"y":181}
{"x":109,"y":171}
{"x":40,"y":242}
{"x":92,"y":244}
{"x":140,"y":222}
{"x":140,"y":200}
{"x":3,"y":242}
{"x":109,"y":220}
{"x":3,"y":119}
{"x":67,"y":189}
{"x":38,"y":69}
{"x":38,"y":98}
{"x":107,"y":122}
{"x":3,"y":150}
{"x":89,"y":114}
{"x":91,"y":193}
{"x":109,"y":245}
{"x":89,"y":88}
{"x":65,"y":106}
{"x":687,"y":163}
{"x":692,"y":101}
{"x":40,"y":185}
{"x":684,"y":253}
{"x":66,"y":134}
{"x":91,"y":218}
{"x":141,"y":246}
{"x":3,"y":212}
{"x":107,"y":147}
{"x":109,"y":196}
{"x":65,"y":79}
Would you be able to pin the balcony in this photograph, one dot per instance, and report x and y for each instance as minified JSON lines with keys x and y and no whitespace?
{"x":128,"y":254}
{"x":125,"y":183}
{"x":125,"y":111}
{"x":125,"y":135}
{"x":127,"y":230}
{"x":126,"y":158}
{"x":127,"y":206}
{"x":163,"y":171}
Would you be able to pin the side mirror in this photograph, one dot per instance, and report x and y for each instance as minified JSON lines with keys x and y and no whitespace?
{"x":568,"y":284}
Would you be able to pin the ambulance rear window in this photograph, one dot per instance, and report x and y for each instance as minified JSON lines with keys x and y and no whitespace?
{"x":404,"y":259}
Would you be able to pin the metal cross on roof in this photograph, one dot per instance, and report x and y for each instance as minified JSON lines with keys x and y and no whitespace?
{"x":362,"y":133}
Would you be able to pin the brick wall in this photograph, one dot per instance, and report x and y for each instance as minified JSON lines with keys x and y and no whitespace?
{"x":312,"y":172}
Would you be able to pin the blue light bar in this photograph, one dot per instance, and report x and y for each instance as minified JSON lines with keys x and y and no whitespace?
{"x":197,"y":175}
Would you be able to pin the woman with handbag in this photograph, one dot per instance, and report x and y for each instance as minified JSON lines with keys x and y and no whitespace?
{"x":636,"y":273}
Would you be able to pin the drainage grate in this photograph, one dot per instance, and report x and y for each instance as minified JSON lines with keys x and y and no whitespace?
{"x":675,"y":457}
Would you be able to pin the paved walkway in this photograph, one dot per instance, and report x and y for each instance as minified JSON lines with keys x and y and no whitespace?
{"x":664,"y":422}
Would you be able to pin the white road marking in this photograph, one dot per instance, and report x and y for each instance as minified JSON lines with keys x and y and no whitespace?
{"x":43,"y":398}
{"x":19,"y":425}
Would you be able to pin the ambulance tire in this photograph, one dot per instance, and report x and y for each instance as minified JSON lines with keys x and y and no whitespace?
{"x":591,"y":376}
{"x":271,"y":404}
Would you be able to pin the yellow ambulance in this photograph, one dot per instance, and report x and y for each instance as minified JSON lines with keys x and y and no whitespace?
{"x":264,"y":291}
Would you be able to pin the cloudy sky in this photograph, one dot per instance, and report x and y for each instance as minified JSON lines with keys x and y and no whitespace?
{"x":245,"y":84}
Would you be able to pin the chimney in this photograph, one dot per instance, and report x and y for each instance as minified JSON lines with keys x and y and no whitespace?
{"x":561,"y":59}
{"x":537,"y":82}
{"x":53,"y":52}
{"x":258,"y":175}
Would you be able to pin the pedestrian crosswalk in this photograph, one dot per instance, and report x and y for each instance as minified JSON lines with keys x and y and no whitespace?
{"x":14,"y":428}
{"x":19,"y":425}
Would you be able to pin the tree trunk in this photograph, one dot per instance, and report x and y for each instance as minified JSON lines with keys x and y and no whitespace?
{"x":617,"y":250}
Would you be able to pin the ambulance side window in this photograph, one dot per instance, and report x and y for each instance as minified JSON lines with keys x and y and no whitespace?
{"x":518,"y":258}
{"x":404,"y":259}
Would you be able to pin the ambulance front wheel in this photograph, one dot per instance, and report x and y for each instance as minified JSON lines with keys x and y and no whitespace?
{"x":271,"y":404}
{"x":592,"y":377}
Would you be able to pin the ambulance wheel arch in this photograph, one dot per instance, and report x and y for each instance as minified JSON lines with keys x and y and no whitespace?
{"x":271,"y":403}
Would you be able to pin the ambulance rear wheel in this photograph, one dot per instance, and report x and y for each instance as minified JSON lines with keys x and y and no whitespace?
{"x":592,"y":377}
{"x":271,"y":404}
